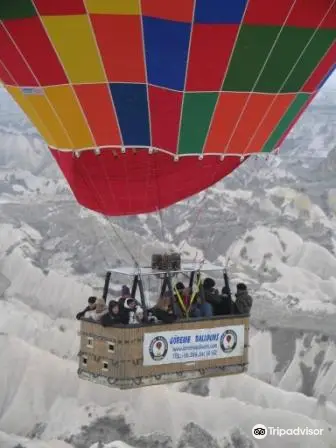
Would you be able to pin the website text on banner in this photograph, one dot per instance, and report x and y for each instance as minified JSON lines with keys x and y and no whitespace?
{"x":184,"y":346}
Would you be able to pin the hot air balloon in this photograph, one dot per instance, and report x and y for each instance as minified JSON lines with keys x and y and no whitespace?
{"x":144,"y":103}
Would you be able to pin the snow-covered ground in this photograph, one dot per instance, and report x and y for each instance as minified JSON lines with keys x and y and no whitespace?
{"x":303,"y":273}
{"x":42,"y":396}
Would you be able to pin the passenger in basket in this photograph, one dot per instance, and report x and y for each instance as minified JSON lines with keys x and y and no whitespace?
{"x":211,"y":297}
{"x":125,"y":292}
{"x":162,"y":310}
{"x":197,"y":309}
{"x":131,"y":311}
{"x":244,"y":301}
{"x":181,"y":289}
{"x":225,"y":306}
{"x":98,"y":312}
{"x":113,"y":316}
{"x":91,"y":306}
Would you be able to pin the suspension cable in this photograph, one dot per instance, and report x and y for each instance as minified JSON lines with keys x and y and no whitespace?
{"x":100,"y":204}
{"x":112,"y":193}
{"x":80,"y":207}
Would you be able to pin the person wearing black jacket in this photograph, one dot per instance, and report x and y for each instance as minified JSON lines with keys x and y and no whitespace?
{"x":91,"y":306}
{"x":129,"y":310}
{"x":211,"y":294}
{"x":243,"y":303}
{"x":113,"y":316}
{"x":162,"y":310}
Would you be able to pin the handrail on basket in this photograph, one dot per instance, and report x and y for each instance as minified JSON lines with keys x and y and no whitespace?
{"x":177,"y":322}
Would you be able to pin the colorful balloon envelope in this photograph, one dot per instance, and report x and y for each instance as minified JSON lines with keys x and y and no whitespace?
{"x":146,"y":102}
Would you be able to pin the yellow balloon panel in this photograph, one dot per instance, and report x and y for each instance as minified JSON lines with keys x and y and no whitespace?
{"x":42,"y":116}
{"x":65,"y":103}
{"x":113,"y":7}
{"x":74,"y":41}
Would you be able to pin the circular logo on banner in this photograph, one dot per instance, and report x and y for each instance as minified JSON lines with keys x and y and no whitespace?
{"x":158,"y":348}
{"x":228,"y":341}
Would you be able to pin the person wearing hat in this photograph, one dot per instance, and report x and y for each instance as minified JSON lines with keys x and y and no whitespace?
{"x":91,"y":306}
{"x":125,"y":291}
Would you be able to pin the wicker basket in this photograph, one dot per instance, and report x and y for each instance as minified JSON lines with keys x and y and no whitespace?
{"x":166,"y":262}
{"x":113,"y":356}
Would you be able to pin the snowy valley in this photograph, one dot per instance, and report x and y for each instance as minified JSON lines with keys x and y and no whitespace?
{"x":272,"y":222}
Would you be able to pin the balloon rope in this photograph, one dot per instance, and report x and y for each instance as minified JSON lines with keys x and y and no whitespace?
{"x":94,"y":37}
{"x":112,"y":194}
{"x":159,"y":210}
{"x":100,"y":204}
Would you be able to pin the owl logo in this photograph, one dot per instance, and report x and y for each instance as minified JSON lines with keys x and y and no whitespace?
{"x":228,"y":341}
{"x":158,"y":348}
